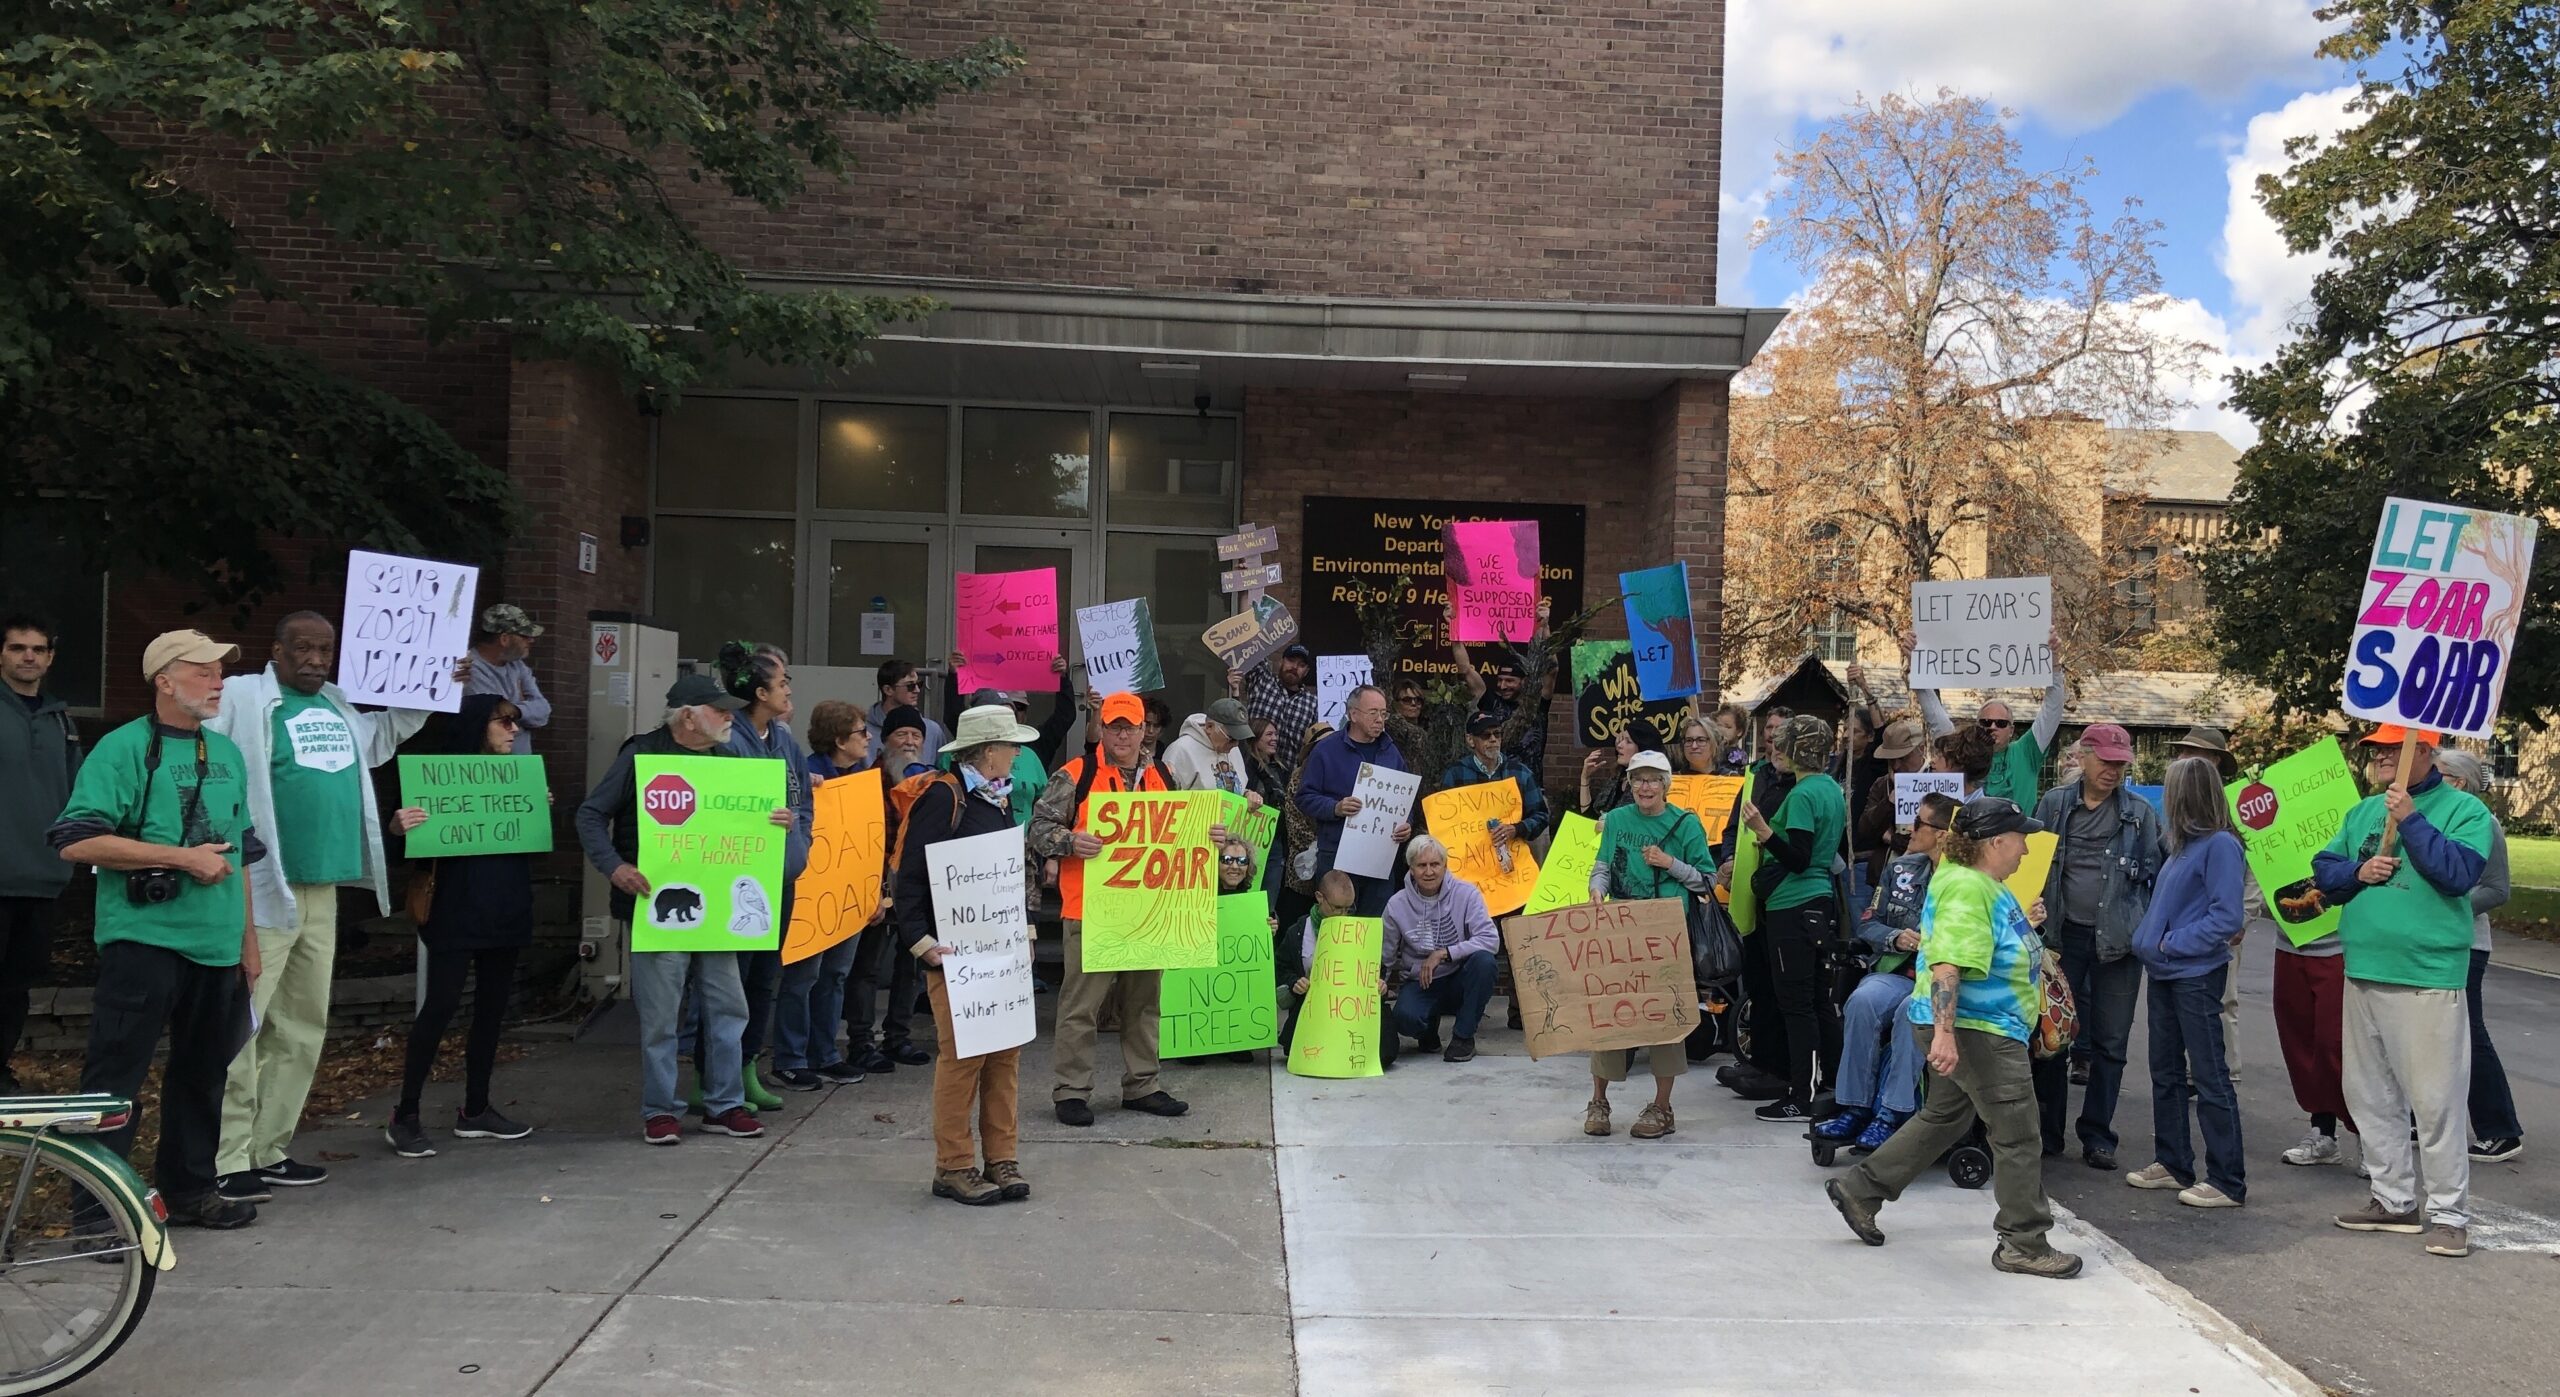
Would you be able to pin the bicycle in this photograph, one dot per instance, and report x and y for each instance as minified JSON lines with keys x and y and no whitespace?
{"x":84,"y":1241}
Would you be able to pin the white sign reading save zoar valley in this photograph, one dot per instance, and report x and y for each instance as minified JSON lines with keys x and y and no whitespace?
{"x":1994,"y":632}
{"x":2436,"y":632}
{"x":407,"y":621}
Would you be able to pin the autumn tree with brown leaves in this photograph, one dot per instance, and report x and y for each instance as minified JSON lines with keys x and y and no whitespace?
{"x":1936,"y":408}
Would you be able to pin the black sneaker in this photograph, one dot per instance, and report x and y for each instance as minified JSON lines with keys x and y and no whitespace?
{"x":211,"y":1210}
{"x":1783,"y":1112}
{"x":875,"y":1062}
{"x":488,"y":1125}
{"x":408,"y":1139}
{"x":243,"y":1187}
{"x":1157,"y":1103}
{"x":843,"y":1074}
{"x":1460,"y":1050}
{"x":293,"y":1173}
{"x":1429,"y":1042}
{"x":1075,"y":1111}
{"x":2497,"y":1151}
{"x":909,"y":1054}
{"x":798,"y":1079}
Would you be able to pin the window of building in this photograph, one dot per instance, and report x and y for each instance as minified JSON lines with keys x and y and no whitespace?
{"x":49,"y":580}
{"x":891,"y":457}
{"x":730,"y":453}
{"x":1835,"y":638}
{"x":1178,"y":574}
{"x":1173,"y":470}
{"x":1025,"y":461}
{"x":2139,"y":594}
{"x":723,"y":579}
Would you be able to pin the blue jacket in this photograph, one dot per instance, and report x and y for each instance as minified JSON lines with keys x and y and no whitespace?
{"x":2195,"y":909}
{"x":2132,"y":862}
{"x":1533,"y":802}
{"x":1333,"y":768}
{"x":2450,"y":868}
{"x":780,"y":743}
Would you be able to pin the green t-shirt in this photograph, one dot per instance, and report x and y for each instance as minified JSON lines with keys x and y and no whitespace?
{"x":2016,"y":769}
{"x":1626,"y":830}
{"x":2404,"y":932}
{"x":1813,"y":803}
{"x":1976,"y":925}
{"x":204,"y":924}
{"x":319,"y":791}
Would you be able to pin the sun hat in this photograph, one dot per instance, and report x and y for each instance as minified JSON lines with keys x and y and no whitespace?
{"x":988,"y":722}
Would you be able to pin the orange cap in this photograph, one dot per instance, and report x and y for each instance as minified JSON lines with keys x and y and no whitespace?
{"x":1124,"y":707}
{"x":2393,"y":734}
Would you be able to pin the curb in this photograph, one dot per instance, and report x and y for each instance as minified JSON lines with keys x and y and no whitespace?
{"x":2210,"y":1322}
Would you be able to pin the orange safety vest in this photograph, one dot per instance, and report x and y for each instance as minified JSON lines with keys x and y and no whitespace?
{"x":1106,"y":778}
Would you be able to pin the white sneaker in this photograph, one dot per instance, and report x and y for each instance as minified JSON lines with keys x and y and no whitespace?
{"x":2315,"y":1148}
{"x":2204,"y":1195}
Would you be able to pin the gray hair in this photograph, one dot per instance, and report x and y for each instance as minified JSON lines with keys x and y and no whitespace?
{"x":1425,"y":844}
{"x":2462,"y":768}
{"x":2192,"y":802}
{"x":676,"y":714}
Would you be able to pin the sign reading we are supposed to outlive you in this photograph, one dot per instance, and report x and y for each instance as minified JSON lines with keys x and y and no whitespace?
{"x":2436,"y":628}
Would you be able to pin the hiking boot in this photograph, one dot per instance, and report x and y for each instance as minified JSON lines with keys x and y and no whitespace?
{"x":843,"y":1074}
{"x":798,"y":1079}
{"x":2315,"y":1148}
{"x":2444,"y":1239}
{"x":211,"y":1210}
{"x":408,"y":1139}
{"x":1595,"y":1118}
{"x":1860,"y":1217}
{"x":2505,"y":1151}
{"x":1842,"y":1128}
{"x":908,"y":1054}
{"x":293,"y":1173}
{"x":2205,"y":1195}
{"x":2373,"y":1217}
{"x":662,"y":1130}
{"x":2098,"y":1157}
{"x":1653,"y":1122}
{"x":1007,"y":1178}
{"x":737,"y":1122}
{"x":2050,"y":1264}
{"x":1157,"y":1103}
{"x":1878,"y":1131}
{"x":1075,"y":1110}
{"x":1460,"y":1050}
{"x":2154,"y":1175}
{"x":243,"y":1187}
{"x":759,"y":1096}
{"x":1783,"y":1112}
{"x":965,"y":1186}
{"x":487,"y":1124}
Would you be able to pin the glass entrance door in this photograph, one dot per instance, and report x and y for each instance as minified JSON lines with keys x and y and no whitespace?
{"x":901,"y":571}
{"x":1070,"y":551}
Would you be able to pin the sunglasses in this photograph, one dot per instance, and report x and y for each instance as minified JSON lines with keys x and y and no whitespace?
{"x":1927,"y":824}
{"x":1997,"y":723}
{"x":1224,"y":862}
{"x":512,"y":722}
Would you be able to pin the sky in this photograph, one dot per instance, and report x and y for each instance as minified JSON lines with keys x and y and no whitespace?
{"x":2182,"y":104}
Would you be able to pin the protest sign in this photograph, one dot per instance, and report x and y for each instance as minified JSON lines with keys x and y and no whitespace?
{"x":1259,"y":828}
{"x":407,"y":620}
{"x":1005,"y":629}
{"x":1492,"y":571}
{"x":1119,"y":643}
{"x":1368,"y":846}
{"x":1984,"y":633}
{"x":1339,"y":1024}
{"x":2028,"y":881}
{"x":981,"y":919}
{"x":2436,"y":632}
{"x":1912,"y":787}
{"x":2291,"y":811}
{"x":711,"y":853}
{"x":1252,"y":635}
{"x":1607,"y":695}
{"x":1234,"y":1006}
{"x":1746,"y":861}
{"x":1336,"y":677}
{"x":1570,"y":855}
{"x":1150,"y":896}
{"x":1614,"y":975}
{"x":1462,"y":819}
{"x":1710,"y":798}
{"x":477,"y":805}
{"x":1666,"y":653}
{"x":1248,"y":542}
{"x":839,"y":888}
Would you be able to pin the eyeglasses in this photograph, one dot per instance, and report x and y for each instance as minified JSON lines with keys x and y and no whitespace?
{"x":1701,"y":741}
{"x":1997,"y":722}
{"x":1226,"y":862}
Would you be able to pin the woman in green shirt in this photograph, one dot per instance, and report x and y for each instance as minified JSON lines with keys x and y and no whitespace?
{"x":1650,"y":848}
{"x":1799,"y":910}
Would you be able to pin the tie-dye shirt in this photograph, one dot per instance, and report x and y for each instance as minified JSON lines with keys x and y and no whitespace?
{"x":1972,"y":922}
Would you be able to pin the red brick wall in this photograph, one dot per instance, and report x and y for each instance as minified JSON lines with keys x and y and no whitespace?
{"x":1684,"y":516}
{"x":1501,"y":149}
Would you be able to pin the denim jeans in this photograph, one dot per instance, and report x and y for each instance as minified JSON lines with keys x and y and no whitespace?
{"x":760,"y":975}
{"x":1461,"y":987}
{"x":2493,"y":1104}
{"x":658,"y":992}
{"x":812,"y":1003}
{"x":2187,"y":1065}
{"x":2106,"y":993}
{"x":1875,"y":1032}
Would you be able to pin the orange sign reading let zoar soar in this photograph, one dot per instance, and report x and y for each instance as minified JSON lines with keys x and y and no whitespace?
{"x":1612,"y":975}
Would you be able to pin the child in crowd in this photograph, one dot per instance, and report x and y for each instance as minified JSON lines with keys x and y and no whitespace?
{"x":1297,"y":952}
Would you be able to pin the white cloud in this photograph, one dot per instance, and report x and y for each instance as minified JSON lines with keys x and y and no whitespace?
{"x":2205,"y":386}
{"x":2269,"y":284}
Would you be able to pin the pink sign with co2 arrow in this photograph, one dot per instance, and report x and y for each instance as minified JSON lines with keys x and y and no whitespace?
{"x":1006,"y":630}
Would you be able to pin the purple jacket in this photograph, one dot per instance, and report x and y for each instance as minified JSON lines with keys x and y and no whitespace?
{"x":1454,"y":921}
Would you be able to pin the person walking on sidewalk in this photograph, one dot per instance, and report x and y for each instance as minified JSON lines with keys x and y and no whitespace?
{"x":479,"y":921}
{"x":1061,"y":829}
{"x":699,"y":713}
{"x":974,"y":799}
{"x":1443,"y":943}
{"x":1648,"y":849}
{"x":2099,"y":887}
{"x":39,"y":760}
{"x":2185,"y":943}
{"x":1978,"y":963}
{"x":2497,"y":1137}
{"x":310,"y":758}
{"x":161,"y":810}
{"x":2405,"y":919}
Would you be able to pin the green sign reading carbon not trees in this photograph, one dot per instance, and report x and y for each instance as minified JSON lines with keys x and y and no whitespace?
{"x":477,"y":805}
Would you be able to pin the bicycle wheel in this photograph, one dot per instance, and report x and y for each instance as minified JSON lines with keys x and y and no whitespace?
{"x":71,"y":1291}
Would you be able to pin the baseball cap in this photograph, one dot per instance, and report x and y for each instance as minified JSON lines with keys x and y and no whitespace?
{"x":2393,"y":734}
{"x":1008,"y":698}
{"x":508,"y":619}
{"x":1229,"y":714}
{"x":1985,"y":816}
{"x":2107,"y":742}
{"x":1482,"y":723}
{"x":1648,"y":761}
{"x":1123,"y":707}
{"x":691,"y":690}
{"x":190,"y":647}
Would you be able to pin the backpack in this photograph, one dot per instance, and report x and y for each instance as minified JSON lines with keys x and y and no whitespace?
{"x":902,"y":798}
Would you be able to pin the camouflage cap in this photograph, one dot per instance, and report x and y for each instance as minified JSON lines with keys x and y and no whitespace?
{"x":508,"y":619}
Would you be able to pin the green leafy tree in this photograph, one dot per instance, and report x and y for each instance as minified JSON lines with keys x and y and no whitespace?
{"x":2428,"y":364}
{"x":535,"y":165}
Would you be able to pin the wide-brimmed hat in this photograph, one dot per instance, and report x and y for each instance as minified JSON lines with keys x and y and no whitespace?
{"x":189,"y":647}
{"x":2204,"y":739}
{"x":1902,"y":737}
{"x":989,"y":722}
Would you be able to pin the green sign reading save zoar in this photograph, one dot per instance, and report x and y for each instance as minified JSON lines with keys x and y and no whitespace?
{"x":477,"y":805}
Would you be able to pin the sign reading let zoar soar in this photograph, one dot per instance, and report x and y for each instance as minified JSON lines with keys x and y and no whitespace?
{"x":2443,"y":597}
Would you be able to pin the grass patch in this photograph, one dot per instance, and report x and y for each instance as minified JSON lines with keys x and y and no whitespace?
{"x":2532,"y":912}
{"x":2533,"y":861}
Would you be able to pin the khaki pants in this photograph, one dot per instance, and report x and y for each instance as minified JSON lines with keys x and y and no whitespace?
{"x":1992,"y":1080}
{"x":271,"y":1078}
{"x":992,"y":1081}
{"x":1137,"y":994}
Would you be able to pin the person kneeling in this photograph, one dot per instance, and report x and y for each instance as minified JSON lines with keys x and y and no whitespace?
{"x":1439,"y":932}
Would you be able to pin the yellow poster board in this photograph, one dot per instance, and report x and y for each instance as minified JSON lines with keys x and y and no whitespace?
{"x":1710,"y":798}
{"x":1570,"y":855}
{"x":1458,"y":818}
{"x":1746,"y":862}
{"x":2028,"y":881}
{"x":839,"y":888}
{"x":1151,"y":895}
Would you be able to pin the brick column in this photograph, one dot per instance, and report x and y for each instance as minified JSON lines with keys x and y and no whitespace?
{"x":1684,"y":514}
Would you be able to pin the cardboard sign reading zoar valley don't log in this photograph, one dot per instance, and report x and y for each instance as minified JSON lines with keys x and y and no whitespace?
{"x":1615,"y":975}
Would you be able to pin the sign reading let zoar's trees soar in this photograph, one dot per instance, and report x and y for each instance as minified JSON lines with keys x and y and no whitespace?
{"x":711,"y":853}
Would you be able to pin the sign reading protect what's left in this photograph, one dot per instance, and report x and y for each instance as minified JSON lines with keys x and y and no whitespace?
{"x":407,"y":621}
{"x":476,"y":805}
{"x":711,"y":853}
